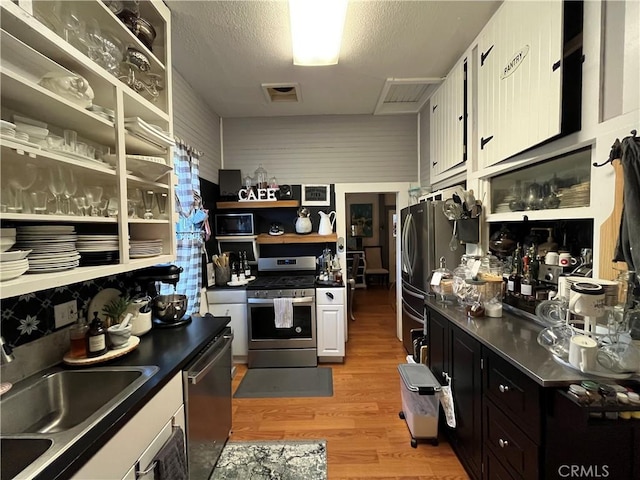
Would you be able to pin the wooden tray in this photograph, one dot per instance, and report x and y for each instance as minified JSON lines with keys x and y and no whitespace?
{"x":110,"y":355}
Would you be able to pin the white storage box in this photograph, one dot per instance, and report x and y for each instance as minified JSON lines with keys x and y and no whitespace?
{"x":420,"y":393}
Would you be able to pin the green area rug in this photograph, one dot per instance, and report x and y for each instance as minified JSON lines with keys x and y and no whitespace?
{"x":286,"y":382}
{"x":271,"y":460}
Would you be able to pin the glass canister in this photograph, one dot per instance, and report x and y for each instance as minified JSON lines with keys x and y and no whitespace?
{"x":460,"y":288}
{"x":442,"y":282}
{"x":261,"y":177}
{"x":490,"y":271}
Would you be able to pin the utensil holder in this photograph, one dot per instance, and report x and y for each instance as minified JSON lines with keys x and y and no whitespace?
{"x":223,"y":275}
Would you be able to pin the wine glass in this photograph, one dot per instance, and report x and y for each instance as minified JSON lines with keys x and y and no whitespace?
{"x":147,"y":201}
{"x":56,"y":183}
{"x":133,"y":202}
{"x":82,"y":204}
{"x":21,"y":177}
{"x":94,"y":197}
{"x":93,"y":41}
{"x":70,"y":188}
{"x":69,"y":18}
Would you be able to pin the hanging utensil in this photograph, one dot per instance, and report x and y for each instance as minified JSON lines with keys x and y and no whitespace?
{"x":453,"y":243}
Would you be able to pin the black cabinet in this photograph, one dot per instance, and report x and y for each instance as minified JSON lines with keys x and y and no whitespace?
{"x":456,"y":355}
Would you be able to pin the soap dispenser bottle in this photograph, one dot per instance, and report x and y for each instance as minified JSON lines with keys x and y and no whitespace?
{"x":96,"y":338}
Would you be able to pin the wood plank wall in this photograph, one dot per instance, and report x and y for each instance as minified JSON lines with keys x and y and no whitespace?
{"x":324,"y":149}
{"x":197,"y":125}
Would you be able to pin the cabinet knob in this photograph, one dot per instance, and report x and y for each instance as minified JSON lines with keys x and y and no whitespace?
{"x":504,"y":388}
{"x":503,"y":443}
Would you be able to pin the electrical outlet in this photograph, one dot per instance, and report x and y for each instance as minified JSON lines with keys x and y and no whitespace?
{"x":65,"y":313}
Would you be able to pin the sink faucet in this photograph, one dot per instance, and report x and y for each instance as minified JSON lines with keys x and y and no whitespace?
{"x":6,"y":353}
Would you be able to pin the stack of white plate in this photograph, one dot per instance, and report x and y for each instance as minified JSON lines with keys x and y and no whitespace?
{"x":7,"y":129}
{"x":13,"y":264}
{"x":33,"y":133}
{"x":98,"y":249}
{"x":53,"y":247}
{"x":145,"y":248}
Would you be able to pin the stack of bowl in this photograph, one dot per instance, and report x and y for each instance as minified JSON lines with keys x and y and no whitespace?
{"x":12,"y":263}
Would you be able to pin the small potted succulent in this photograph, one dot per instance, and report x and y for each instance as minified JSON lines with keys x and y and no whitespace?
{"x":116,"y":309}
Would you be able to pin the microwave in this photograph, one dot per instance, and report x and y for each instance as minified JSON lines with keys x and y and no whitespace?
{"x":234,"y":224}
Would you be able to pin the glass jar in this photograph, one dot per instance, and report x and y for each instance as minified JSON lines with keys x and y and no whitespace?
{"x":442,"y":282}
{"x":261,"y":177}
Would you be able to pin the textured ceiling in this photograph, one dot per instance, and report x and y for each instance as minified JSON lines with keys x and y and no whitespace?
{"x":227,"y":49}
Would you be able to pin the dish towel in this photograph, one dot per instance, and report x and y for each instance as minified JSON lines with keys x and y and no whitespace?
{"x":171,"y":459}
{"x":283,"y":308}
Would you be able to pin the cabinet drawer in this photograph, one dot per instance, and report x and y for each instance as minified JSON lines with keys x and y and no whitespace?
{"x":493,"y":469}
{"x":509,"y":444}
{"x":324,"y":296}
{"x":516,"y":394}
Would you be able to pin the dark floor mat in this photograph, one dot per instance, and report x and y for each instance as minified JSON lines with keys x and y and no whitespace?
{"x":286,"y":382}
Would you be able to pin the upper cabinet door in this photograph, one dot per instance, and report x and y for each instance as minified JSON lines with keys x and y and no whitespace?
{"x":447,"y":122}
{"x":519,"y":79}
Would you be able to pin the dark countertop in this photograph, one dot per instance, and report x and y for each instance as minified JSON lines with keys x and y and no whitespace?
{"x":513,"y":338}
{"x":170,"y":349}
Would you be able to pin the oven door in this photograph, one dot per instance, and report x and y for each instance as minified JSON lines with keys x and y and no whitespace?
{"x":263,"y":333}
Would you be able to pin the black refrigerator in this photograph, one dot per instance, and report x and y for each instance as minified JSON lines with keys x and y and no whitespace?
{"x":425,"y":237}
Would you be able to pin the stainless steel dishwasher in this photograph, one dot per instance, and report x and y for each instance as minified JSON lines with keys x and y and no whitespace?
{"x":207,"y":388}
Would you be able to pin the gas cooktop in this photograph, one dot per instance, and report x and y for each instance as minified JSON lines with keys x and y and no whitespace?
{"x":280,"y":282}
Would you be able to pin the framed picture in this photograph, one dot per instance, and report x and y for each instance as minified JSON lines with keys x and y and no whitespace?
{"x":316,"y":195}
{"x":361,"y":215}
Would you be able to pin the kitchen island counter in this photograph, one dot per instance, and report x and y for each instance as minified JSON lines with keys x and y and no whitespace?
{"x":170,"y":349}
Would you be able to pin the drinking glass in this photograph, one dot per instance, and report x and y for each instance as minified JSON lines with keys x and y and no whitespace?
{"x":133,"y":202}
{"x":39,"y":201}
{"x":68,"y":16}
{"x":21,"y":177}
{"x":70,"y":188}
{"x":83,"y":205}
{"x":147,"y":200}
{"x":57,"y":186}
{"x":161,"y":201}
{"x":94,"y":197}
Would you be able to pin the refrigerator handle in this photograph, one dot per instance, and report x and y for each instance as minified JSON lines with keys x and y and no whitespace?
{"x":404,"y":246}
{"x":413,"y":251}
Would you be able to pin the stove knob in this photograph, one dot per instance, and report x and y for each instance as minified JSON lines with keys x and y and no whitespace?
{"x":280,"y":293}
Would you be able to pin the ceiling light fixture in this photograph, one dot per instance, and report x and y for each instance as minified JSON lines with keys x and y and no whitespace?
{"x":316,"y":30}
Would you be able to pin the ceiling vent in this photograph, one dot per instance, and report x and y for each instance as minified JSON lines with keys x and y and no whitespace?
{"x":405,"y":95}
{"x":282,"y":92}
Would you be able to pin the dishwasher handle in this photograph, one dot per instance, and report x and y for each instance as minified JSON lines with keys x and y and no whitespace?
{"x":196,"y":375}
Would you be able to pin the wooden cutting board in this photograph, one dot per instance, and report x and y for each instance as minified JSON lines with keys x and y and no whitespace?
{"x":610,"y":228}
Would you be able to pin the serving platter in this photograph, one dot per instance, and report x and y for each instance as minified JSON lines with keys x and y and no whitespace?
{"x":132,"y":344}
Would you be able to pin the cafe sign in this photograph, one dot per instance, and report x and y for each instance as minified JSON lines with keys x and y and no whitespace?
{"x":257,"y":195}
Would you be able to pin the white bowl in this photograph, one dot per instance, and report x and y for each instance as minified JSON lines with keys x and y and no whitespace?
{"x":13,"y":255}
{"x":8,"y":275}
{"x":6,"y":243}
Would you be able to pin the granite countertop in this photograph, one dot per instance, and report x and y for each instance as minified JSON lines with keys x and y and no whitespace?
{"x":170,"y":349}
{"x":514,"y":338}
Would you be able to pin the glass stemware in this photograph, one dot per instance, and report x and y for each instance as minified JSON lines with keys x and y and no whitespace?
{"x":71,"y":22}
{"x":147,"y":201}
{"x":56,"y":183}
{"x":82,"y":205}
{"x":94,"y":197}
{"x":70,"y":189}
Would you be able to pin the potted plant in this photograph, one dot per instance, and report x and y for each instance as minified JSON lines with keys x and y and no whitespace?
{"x":115,"y":310}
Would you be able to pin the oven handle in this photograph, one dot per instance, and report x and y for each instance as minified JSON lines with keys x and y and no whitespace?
{"x":195,"y":376}
{"x":269,"y":301}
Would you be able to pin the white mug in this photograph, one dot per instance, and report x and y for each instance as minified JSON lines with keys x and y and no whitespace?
{"x":551,"y":258}
{"x":565,"y":259}
{"x":582,"y":352}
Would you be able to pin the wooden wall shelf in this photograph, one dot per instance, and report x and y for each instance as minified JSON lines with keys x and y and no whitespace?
{"x":265,"y":204}
{"x":265,"y":238}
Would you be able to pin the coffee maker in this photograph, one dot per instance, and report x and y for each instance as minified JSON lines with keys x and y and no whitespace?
{"x":168,"y":310}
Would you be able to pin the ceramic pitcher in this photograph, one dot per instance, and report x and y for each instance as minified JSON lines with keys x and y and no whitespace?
{"x":327,"y":220}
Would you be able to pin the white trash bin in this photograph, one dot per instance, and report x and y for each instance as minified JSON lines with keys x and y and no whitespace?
{"x":420,"y":393}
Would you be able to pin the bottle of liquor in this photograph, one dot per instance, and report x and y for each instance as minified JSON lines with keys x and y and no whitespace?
{"x":96,"y":338}
{"x":513,"y":282}
{"x":527,"y":284}
{"x":245,"y":265}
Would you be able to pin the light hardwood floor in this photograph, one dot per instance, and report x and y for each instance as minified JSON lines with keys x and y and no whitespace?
{"x":365,"y":437}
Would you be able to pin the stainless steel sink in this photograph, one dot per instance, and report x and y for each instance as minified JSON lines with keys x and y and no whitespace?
{"x":46,"y":413}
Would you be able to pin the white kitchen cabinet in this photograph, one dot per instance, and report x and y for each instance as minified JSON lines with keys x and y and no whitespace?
{"x":31,"y":49}
{"x":447,"y":123}
{"x":134,"y":446}
{"x":520,"y":79}
{"x":232,"y":303}
{"x":330,"y":306}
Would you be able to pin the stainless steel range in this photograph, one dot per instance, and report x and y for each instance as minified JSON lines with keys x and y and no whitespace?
{"x":283,"y":340}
